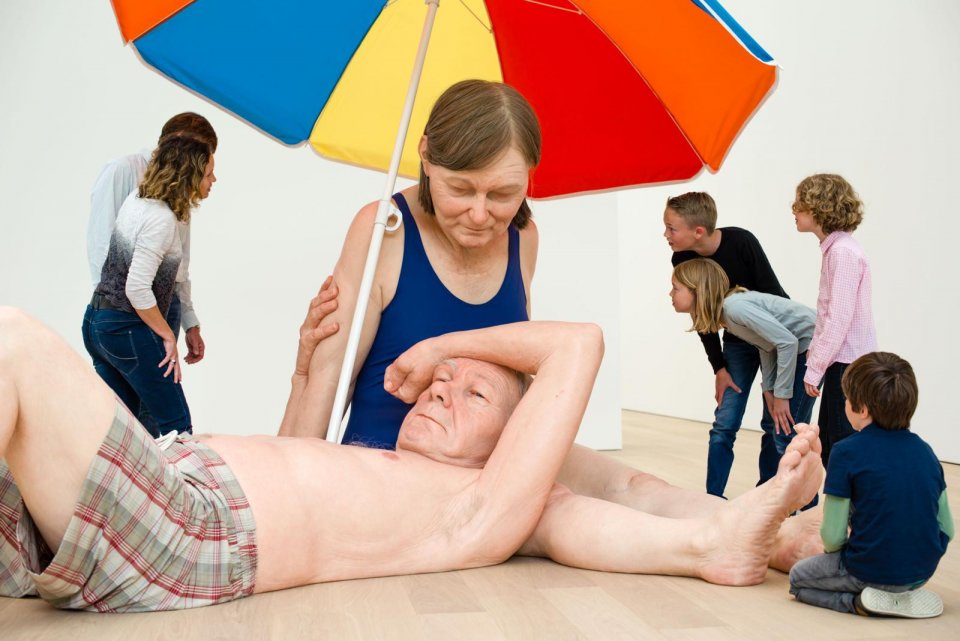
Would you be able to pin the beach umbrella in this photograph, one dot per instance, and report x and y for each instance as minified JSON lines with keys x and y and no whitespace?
{"x":627,"y":92}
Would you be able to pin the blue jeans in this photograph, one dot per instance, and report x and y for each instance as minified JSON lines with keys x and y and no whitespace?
{"x":823,"y":581}
{"x":125,"y":354}
{"x":743,"y":363}
{"x":173,"y":320}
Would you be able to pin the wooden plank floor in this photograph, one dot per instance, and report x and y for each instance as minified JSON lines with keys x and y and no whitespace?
{"x":526,"y":598}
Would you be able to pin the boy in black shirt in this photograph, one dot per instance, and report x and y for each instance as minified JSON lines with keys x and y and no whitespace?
{"x":690,"y":229}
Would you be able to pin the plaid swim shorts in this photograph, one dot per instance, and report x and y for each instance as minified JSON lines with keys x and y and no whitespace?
{"x":152,"y":530}
{"x":14,"y":579}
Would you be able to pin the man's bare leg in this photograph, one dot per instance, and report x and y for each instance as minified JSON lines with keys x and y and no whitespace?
{"x":54,"y":414}
{"x":590,"y":473}
{"x":731,"y":546}
{"x":798,"y":538}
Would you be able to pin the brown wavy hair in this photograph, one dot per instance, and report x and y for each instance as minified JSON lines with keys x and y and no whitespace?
{"x":175,"y":172}
{"x":471,"y":124}
{"x":831,"y":201}
{"x":710,"y":287}
{"x":193,"y":125}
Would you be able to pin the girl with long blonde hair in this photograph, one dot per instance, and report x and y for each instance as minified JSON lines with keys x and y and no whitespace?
{"x":778,"y":327}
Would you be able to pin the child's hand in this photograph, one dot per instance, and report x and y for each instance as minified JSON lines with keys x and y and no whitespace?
{"x":782,"y":418}
{"x":811,"y":390}
{"x":722,"y":382}
{"x":779,"y":409}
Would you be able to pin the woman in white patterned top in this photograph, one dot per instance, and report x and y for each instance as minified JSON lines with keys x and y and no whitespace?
{"x":133,"y":348}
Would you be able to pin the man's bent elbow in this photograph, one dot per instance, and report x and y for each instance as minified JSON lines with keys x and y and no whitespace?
{"x":15,"y":328}
{"x":589,"y":338}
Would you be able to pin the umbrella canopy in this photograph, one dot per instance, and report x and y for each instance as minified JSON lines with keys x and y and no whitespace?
{"x":627,"y":92}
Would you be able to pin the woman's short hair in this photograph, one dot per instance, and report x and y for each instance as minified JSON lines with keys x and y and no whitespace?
{"x":831,"y":201}
{"x":471,"y":124}
{"x":193,"y":125}
{"x":709,"y":285}
{"x":696,"y":208}
{"x":175,"y":172}
{"x":885,"y":384}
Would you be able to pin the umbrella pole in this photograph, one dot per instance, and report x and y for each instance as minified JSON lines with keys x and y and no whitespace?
{"x":379,"y":226}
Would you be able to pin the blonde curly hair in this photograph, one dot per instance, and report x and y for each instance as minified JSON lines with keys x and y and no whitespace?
{"x":175,"y":172}
{"x":831,"y":201}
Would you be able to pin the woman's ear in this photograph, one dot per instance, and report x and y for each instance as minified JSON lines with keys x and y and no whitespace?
{"x":422,"y":151}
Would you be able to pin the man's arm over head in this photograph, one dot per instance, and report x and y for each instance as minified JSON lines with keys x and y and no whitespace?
{"x":515,"y":482}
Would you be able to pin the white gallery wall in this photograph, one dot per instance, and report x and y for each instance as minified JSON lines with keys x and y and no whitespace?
{"x":72,"y":97}
{"x":870,"y":90}
{"x":867,"y":89}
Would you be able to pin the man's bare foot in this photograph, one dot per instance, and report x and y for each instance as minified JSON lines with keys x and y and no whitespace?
{"x":798,"y":538}
{"x":742,"y":535}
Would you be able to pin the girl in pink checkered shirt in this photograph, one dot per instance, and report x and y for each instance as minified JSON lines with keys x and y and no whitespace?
{"x":828,"y":207}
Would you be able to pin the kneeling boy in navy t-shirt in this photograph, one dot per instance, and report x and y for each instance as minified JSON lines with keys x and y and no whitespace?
{"x":887,"y":483}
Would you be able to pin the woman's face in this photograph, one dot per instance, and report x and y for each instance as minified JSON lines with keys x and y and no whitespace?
{"x":682,"y":297}
{"x":208,"y":179}
{"x":473,"y":207}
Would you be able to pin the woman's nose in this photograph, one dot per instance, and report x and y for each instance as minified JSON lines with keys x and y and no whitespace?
{"x":478,"y":211}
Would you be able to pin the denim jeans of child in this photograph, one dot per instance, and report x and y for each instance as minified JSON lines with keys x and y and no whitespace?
{"x":125,"y":353}
{"x":743,"y":363}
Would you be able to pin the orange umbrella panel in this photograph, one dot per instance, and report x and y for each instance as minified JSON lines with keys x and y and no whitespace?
{"x":137,"y":17}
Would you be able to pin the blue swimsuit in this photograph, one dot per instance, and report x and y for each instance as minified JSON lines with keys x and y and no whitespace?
{"x":421,"y":308}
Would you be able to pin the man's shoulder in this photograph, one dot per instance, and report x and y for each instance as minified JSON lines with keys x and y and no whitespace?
{"x":130,"y":161}
{"x":131,"y":165}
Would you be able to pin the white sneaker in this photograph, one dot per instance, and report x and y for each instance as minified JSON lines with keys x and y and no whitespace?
{"x":915,"y":604}
{"x":167,"y":439}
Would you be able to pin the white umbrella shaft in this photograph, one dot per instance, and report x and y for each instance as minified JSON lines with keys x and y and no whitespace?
{"x":379,"y":225}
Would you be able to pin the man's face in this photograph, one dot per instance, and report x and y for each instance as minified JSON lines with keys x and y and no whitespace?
{"x":459,"y":418}
{"x":680,"y":236}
